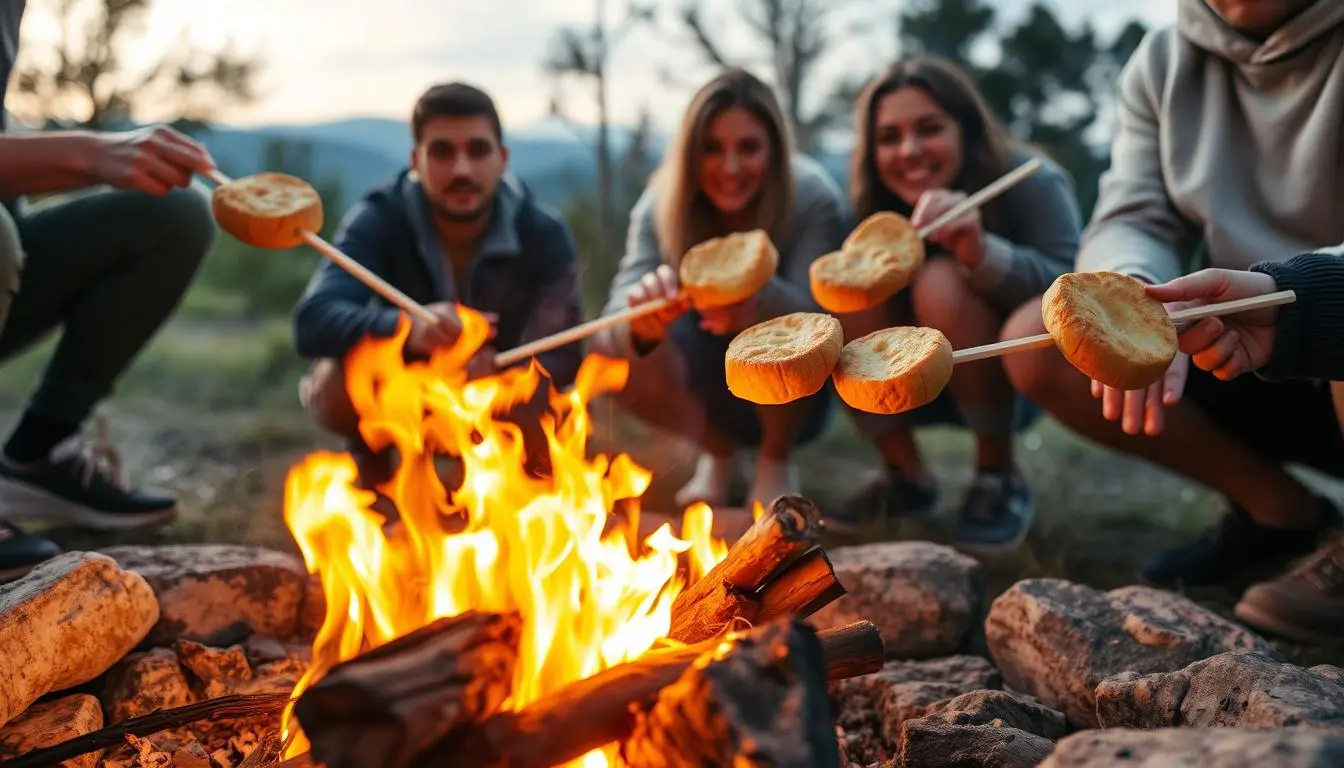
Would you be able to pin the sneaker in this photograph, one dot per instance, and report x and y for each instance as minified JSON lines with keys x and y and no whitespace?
{"x":890,"y":496}
{"x":20,"y":552}
{"x":1307,"y":603}
{"x":996,"y":514}
{"x":80,"y":483}
{"x":1236,"y":548}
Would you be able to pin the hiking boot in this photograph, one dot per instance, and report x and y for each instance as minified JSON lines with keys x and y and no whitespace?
{"x":20,"y":552}
{"x":80,"y":483}
{"x":996,"y":514}
{"x":1307,"y":603}
{"x":890,"y":496}
{"x":1235,"y":549}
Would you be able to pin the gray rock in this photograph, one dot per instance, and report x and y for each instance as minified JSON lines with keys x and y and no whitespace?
{"x":1230,"y":689}
{"x":932,"y":742}
{"x":218,"y":594}
{"x":923,"y":597}
{"x":1001,"y":708}
{"x":1057,"y":640}
{"x":1202,"y":747}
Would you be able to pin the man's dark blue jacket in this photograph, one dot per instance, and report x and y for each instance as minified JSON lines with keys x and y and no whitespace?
{"x":526,"y":271}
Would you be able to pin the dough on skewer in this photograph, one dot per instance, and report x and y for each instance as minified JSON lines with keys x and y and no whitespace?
{"x":894,"y":370}
{"x":783,"y":359}
{"x":268,"y":210}
{"x":878,"y":260}
{"x":723,"y":271}
{"x":1109,"y":328}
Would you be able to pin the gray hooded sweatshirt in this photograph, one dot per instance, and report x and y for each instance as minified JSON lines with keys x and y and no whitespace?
{"x":1227,"y":140}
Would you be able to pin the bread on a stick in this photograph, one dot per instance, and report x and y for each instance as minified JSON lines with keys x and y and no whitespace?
{"x":268,"y":210}
{"x":723,"y":271}
{"x":878,"y":260}
{"x":894,"y":370}
{"x":783,"y":359}
{"x":1108,"y":327}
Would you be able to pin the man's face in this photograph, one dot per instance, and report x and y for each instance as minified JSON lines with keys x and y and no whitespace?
{"x":459,"y":162}
{"x":1258,"y":16}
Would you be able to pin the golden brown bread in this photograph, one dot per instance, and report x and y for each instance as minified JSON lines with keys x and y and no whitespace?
{"x":268,"y":210}
{"x":1109,"y":328}
{"x":878,"y":259}
{"x":783,"y":359}
{"x":894,"y":369}
{"x":723,"y":271}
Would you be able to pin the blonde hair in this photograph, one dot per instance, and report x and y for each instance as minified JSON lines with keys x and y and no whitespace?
{"x":685,"y":216}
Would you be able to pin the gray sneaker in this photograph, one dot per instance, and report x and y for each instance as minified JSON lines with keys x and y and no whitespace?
{"x":996,"y":514}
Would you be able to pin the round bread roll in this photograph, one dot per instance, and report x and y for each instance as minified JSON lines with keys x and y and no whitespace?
{"x":894,"y":369}
{"x":878,"y":259}
{"x":1109,"y":328}
{"x":783,"y":359}
{"x":268,"y":210}
{"x":723,"y":271}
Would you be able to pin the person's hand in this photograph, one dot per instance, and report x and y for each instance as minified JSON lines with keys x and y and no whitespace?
{"x":1144,"y":410}
{"x":156,"y":159}
{"x":734,"y":318}
{"x":963,"y":237}
{"x":424,"y":337}
{"x":659,"y":284}
{"x":1226,"y":346}
{"x":482,"y":363}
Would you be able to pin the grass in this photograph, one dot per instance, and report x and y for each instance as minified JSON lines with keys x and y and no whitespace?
{"x":210,"y":411}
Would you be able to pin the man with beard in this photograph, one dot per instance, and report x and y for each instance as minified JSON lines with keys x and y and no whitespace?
{"x":453,"y":228}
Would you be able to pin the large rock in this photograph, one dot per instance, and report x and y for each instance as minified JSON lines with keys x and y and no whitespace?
{"x":1057,"y":640}
{"x":65,"y":623}
{"x":923,"y":597}
{"x":144,"y":682}
{"x":52,"y":722}
{"x":1203,"y":747}
{"x":219,"y":594}
{"x":871,"y":708}
{"x":1004,"y":708}
{"x":932,"y":742}
{"x":1230,"y":689}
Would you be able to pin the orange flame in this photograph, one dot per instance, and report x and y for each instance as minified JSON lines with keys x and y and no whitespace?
{"x":505,"y":540}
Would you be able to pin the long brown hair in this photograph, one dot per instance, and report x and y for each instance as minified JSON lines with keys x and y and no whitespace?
{"x":685,"y":215}
{"x":985,"y":144}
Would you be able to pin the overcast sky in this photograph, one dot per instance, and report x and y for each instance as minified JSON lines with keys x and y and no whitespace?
{"x":338,"y":58}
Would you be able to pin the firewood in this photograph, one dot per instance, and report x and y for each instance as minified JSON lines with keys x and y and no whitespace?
{"x":389,"y":704}
{"x":709,"y":606}
{"x":234,"y":707}
{"x":596,"y":711}
{"x":802,"y":589}
{"x":760,"y":701}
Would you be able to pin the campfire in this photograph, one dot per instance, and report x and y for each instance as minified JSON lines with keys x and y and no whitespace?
{"x":519,"y":613}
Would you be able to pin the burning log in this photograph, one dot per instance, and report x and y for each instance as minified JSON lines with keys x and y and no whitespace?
{"x":599,"y":710}
{"x":760,"y":701}
{"x":389,"y":704}
{"x":740,"y":587}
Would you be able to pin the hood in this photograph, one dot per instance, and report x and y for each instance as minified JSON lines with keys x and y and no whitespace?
{"x":1198,"y":23}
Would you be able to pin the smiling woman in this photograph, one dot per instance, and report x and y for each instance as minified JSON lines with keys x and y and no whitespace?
{"x":731,"y":168}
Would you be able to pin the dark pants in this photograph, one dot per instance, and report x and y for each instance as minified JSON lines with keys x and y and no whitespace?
{"x":108,"y":267}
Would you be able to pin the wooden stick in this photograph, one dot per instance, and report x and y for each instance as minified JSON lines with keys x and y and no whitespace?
{"x":989,"y":192}
{"x":596,"y":711}
{"x":786,"y":532}
{"x":374,"y":282}
{"x":581,"y":332}
{"x":1044,"y":340}
{"x":232,"y":707}
{"x":385,"y":706}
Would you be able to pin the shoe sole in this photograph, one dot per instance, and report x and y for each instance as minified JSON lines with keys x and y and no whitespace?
{"x":1258,"y":619}
{"x":25,"y":502}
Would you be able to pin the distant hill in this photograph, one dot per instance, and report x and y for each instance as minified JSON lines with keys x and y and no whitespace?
{"x":552,"y":158}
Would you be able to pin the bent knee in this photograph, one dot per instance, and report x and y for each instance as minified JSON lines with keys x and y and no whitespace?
{"x":1039,"y":374}
{"x":184,"y":219}
{"x":944,"y":300}
{"x":323,"y":394}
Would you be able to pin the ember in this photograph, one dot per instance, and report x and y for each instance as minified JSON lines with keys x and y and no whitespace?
{"x":505,"y":542}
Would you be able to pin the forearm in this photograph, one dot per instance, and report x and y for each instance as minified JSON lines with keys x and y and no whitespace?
{"x":45,"y":162}
{"x":1011,"y":274}
{"x":1309,"y":333}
